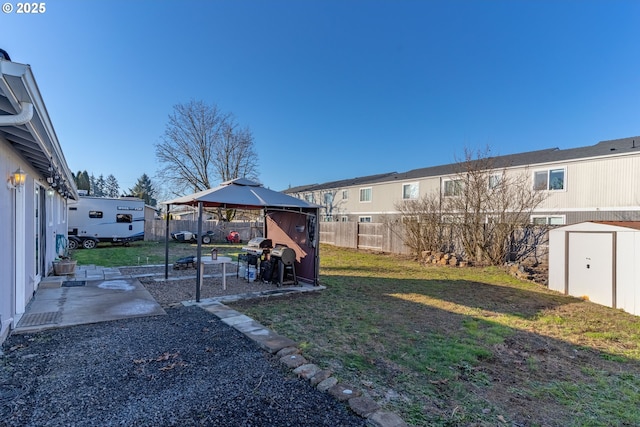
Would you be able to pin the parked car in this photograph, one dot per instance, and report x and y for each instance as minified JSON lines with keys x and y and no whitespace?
{"x":191,"y":237}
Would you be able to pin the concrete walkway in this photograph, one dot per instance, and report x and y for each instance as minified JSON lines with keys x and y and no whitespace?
{"x":93,"y":294}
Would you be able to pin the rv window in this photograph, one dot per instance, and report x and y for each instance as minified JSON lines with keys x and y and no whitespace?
{"x":124,"y":218}
{"x":95,"y":214}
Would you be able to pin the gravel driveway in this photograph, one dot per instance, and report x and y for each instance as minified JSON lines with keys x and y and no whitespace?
{"x":184,"y":369}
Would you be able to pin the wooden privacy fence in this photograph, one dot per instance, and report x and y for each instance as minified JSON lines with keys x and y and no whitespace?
{"x":390,"y":238}
{"x":356,"y":235}
{"x":155,"y":230}
{"x":364,"y":235}
{"x":381,"y":237}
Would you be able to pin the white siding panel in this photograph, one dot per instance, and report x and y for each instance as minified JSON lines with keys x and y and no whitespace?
{"x":611,"y":183}
{"x":628,"y":286}
{"x":557,"y":260}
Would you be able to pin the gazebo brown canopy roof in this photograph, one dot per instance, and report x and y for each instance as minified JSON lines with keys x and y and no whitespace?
{"x":241,"y":193}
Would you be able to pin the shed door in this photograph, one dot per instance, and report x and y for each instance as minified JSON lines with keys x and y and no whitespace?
{"x":591,"y":266}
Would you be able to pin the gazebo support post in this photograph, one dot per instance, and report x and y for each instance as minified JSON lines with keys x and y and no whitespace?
{"x":199,"y":253}
{"x":166,"y":245}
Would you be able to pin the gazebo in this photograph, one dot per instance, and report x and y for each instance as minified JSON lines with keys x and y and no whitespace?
{"x":288,"y":220}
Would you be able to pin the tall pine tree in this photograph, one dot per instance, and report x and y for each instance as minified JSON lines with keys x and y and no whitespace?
{"x":82,"y":181}
{"x":144,"y":190}
{"x":112,"y":189}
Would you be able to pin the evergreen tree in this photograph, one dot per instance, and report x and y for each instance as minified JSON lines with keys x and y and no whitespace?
{"x":144,"y":190}
{"x":92,"y":185}
{"x":97,"y":186}
{"x":112,"y":189}
{"x":82,"y":181}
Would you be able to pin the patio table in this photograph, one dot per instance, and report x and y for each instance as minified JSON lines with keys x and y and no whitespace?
{"x":206,"y":260}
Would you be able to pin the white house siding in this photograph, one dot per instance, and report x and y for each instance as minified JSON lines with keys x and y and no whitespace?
{"x":21,"y":249}
{"x":17,"y":264}
{"x":31,"y":147}
{"x":8,"y":164}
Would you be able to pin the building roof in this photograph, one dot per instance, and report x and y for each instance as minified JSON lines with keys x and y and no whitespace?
{"x":342,"y":183}
{"x":603,"y":148}
{"x":36,"y":140}
{"x":628,"y":224}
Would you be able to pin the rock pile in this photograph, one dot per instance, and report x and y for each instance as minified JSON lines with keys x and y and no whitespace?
{"x":442,"y":258}
{"x":538,"y":273}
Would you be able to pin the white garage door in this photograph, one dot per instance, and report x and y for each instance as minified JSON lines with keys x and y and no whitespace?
{"x":591,"y":266}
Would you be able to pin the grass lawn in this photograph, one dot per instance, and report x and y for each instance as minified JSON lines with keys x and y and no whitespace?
{"x":448,"y":346}
{"x":146,"y":253}
{"x":473,"y":346}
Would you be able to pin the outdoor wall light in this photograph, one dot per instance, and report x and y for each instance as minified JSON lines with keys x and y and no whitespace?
{"x":17,"y":179}
{"x":50,"y":192}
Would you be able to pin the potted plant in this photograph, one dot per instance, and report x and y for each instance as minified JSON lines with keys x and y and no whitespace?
{"x":64,"y":266}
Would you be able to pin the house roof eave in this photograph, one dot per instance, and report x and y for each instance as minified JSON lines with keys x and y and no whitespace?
{"x":18,"y":84}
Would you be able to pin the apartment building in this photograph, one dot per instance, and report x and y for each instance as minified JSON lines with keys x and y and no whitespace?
{"x":597,"y":182}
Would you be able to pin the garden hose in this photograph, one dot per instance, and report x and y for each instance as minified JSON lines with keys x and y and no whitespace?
{"x":61,"y":245}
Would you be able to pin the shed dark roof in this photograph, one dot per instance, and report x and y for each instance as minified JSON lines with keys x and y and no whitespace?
{"x":603,"y":148}
{"x":628,"y":224}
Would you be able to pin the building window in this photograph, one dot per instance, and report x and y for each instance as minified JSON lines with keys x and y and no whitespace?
{"x":344,"y":219}
{"x":452,"y":219}
{"x":365,"y":194}
{"x":328,"y":198}
{"x":550,"y":180}
{"x":309,"y":197}
{"x":410,"y":191}
{"x":95,"y":214}
{"x":494,"y":181}
{"x":345,"y":194}
{"x":452,"y":187}
{"x":410,"y":219}
{"x":548,"y":220}
{"x":364,"y":219}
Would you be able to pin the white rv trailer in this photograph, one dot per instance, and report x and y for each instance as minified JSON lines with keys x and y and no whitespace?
{"x":101,"y":219}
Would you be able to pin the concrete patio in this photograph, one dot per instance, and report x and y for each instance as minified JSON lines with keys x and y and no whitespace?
{"x":93,"y":294}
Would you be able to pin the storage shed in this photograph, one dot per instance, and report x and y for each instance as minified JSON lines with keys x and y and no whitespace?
{"x":598,"y":260}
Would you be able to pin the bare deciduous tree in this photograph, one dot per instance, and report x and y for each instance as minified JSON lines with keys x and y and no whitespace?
{"x":482,"y":212}
{"x":201,"y":145}
{"x":421,"y":221}
{"x":491,"y":206}
{"x":234,"y":154}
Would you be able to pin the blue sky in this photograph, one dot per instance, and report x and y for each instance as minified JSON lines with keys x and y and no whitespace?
{"x":333,"y":89}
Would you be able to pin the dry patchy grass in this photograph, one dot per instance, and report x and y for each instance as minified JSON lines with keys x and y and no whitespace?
{"x":473,"y":346}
